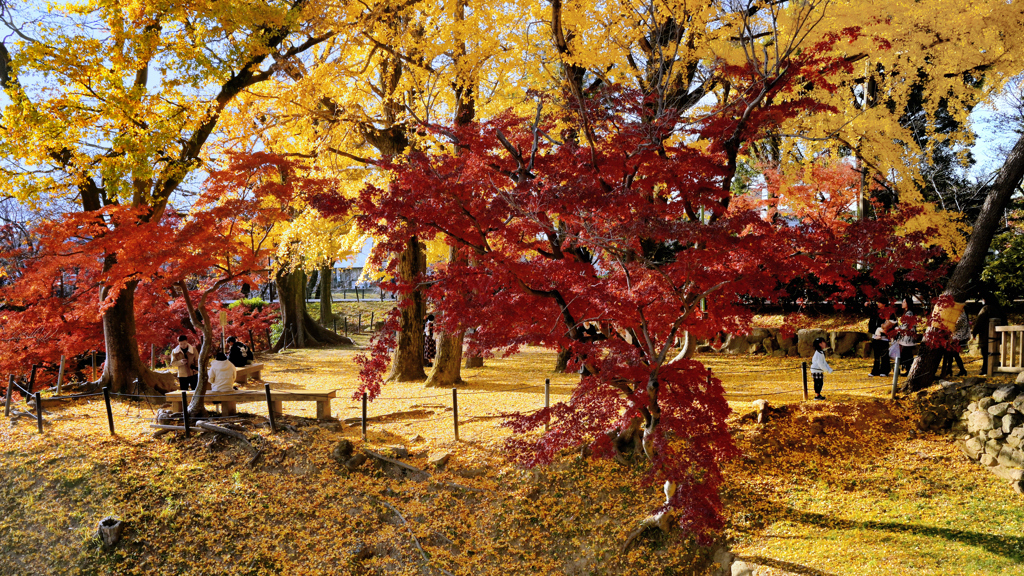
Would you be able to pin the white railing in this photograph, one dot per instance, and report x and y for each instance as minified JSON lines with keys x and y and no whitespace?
{"x":1011,"y":348}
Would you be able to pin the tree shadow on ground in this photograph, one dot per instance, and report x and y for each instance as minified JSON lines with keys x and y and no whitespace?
{"x":783,"y":565}
{"x":1011,"y":547}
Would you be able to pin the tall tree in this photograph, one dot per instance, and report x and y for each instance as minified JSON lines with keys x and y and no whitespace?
{"x":102,"y":132}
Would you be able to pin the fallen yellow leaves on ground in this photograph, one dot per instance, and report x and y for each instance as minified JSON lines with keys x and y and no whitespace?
{"x":845,"y":486}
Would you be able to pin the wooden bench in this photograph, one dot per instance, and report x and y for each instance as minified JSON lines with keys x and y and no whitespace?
{"x":244,"y":372}
{"x":228,"y":400}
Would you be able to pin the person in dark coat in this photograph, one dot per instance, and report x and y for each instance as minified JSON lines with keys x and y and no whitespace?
{"x":238,"y":354}
{"x":429,"y":343}
{"x":879,"y":340}
{"x":991,"y":309}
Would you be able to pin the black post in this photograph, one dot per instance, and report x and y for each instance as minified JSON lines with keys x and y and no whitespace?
{"x":184,"y":411}
{"x":335,"y":324}
{"x":371,"y":322}
{"x":346,"y":325}
{"x":93,"y":365}
{"x":31,"y":382}
{"x":455,"y":411}
{"x":110,"y":414}
{"x":359,"y":330}
{"x":895,"y":378}
{"x":7,"y":396}
{"x":804,"y":368}
{"x":547,"y":401}
{"x":364,"y":416}
{"x":270,"y":408}
{"x":39,"y":412}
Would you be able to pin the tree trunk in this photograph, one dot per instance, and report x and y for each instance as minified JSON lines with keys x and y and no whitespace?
{"x":562,"y":360}
{"x":312,"y":284}
{"x":300,"y":330}
{"x":326,"y":306}
{"x":124,"y":365}
{"x":447,"y":370}
{"x":407,"y":362}
{"x":922,"y":373}
{"x":688,"y":349}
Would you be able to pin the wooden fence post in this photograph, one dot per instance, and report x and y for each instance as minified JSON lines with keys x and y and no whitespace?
{"x":895,"y":378}
{"x":39,"y":412}
{"x":152,"y":356}
{"x":31,"y":382}
{"x":547,"y":401}
{"x":803,"y":367}
{"x":60,"y":374}
{"x":184,"y":412}
{"x":270,"y":408}
{"x":7,"y":397}
{"x":110,"y":413}
{"x":993,"y":351}
{"x":364,"y":417}
{"x":455,"y":411}
{"x":93,"y":365}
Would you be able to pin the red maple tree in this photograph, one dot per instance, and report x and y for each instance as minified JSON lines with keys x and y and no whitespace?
{"x":606,"y":233}
{"x":79,"y":259}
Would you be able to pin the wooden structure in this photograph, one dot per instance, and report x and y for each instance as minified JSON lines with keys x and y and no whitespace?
{"x":241,"y":374}
{"x":1011,"y":349}
{"x":229,"y":400}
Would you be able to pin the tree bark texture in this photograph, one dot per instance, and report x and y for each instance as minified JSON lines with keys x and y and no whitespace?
{"x":326,"y":305}
{"x":300,"y":330}
{"x":124,"y":365}
{"x":562,"y":360}
{"x":968,"y":269}
{"x":407,"y":362}
{"x":447,"y":370}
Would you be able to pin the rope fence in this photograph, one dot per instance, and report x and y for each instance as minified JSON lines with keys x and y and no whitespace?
{"x":383,"y":419}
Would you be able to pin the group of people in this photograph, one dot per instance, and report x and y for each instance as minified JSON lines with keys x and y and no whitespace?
{"x":222,"y":372}
{"x":895,"y":338}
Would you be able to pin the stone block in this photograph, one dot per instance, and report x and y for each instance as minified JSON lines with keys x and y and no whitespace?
{"x":1010,"y":457}
{"x":1011,"y":474}
{"x":973,"y":447}
{"x":805,"y":340}
{"x":996,"y":434}
{"x":1005,"y":393}
{"x":1010,"y":421}
{"x":988,"y":460}
{"x":992,"y":447}
{"x":981,"y":421}
{"x":864,"y":349}
{"x":1020,"y":378}
{"x":998,"y":410}
{"x":972,"y":406}
{"x":984,"y":403}
{"x":843,"y":342}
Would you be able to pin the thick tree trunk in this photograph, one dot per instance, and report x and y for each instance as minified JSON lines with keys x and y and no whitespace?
{"x":447,"y":370}
{"x":922,"y":374}
{"x":124,"y":365}
{"x":562,"y":360}
{"x":688,"y":349}
{"x":407,"y":362}
{"x":300,"y":330}
{"x":326,"y":306}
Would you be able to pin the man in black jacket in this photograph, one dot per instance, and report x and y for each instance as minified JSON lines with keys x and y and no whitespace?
{"x":238,"y":354}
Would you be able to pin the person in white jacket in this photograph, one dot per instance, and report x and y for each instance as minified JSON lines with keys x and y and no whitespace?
{"x":222,"y":374}
{"x":819,"y":366}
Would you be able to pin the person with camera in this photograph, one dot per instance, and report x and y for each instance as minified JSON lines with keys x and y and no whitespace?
{"x":239,"y":354}
{"x":186,"y":359}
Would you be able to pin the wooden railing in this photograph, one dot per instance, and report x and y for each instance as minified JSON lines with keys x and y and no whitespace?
{"x":1011,"y":348}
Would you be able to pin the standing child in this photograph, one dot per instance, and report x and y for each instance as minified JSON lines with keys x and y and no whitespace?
{"x":818,"y":367}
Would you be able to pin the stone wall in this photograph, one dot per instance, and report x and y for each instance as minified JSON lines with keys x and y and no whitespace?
{"x":988,"y":420}
{"x":770,"y":341}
